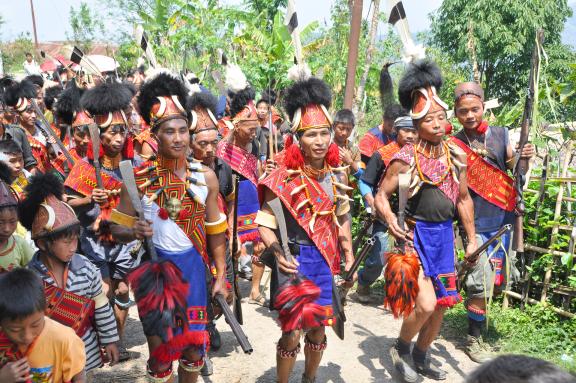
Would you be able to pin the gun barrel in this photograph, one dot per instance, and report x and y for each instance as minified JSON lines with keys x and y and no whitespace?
{"x":234,"y":325}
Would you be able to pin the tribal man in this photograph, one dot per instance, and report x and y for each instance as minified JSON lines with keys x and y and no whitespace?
{"x":94,"y":203}
{"x":489,"y":156}
{"x":308,"y":190}
{"x":240,"y":150}
{"x":380,"y":135}
{"x":438,"y":190}
{"x":368,"y":185}
{"x":180,"y":201}
{"x":68,"y":113}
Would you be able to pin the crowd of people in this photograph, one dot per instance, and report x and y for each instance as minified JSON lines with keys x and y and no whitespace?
{"x":221,"y":187}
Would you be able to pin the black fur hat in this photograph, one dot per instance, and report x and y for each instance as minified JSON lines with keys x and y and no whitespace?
{"x":68,"y":104}
{"x":106,"y":98}
{"x":302,"y":93}
{"x":52,"y":94}
{"x":203,"y":99}
{"x":39,"y":187}
{"x":17,"y":90}
{"x":239,"y":100}
{"x":35,"y":79}
{"x":419,"y":74}
{"x":162,"y":84}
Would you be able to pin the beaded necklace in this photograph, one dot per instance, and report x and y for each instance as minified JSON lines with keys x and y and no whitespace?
{"x":446,"y":172}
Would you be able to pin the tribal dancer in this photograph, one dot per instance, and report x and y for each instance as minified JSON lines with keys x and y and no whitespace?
{"x":203,"y":142}
{"x":69,"y":113}
{"x":240,"y":150}
{"x":489,"y":156}
{"x":19,"y":96}
{"x":380,"y":135}
{"x":368,"y":185}
{"x":94,"y":205}
{"x":180,"y":199}
{"x":438,"y":189}
{"x":311,"y":188}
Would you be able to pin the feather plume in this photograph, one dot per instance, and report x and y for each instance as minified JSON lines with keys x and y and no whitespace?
{"x":39,"y":187}
{"x":386,"y":87}
{"x":299,"y":72}
{"x":235,"y":78}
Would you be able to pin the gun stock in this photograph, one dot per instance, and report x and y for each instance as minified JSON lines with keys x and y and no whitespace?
{"x":234,"y":325}
{"x":364,"y":251}
{"x":237,"y":296}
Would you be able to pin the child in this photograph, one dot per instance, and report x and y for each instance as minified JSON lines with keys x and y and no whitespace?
{"x":14,"y":250}
{"x":55,"y":230}
{"x":11,"y":154}
{"x":34,"y":348}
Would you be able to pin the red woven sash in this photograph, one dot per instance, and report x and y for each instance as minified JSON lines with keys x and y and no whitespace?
{"x":69,"y":309}
{"x":239,"y":159}
{"x":387,"y":152}
{"x":488,"y":181}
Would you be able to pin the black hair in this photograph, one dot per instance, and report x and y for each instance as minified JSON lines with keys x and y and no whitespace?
{"x":262,"y":101}
{"x":519,"y":369}
{"x":35,"y":79}
{"x":394,"y":111}
{"x":344,"y":116}
{"x":51,"y":94}
{"x":10,"y":147}
{"x":22,"y":294}
{"x":28,"y":54}
{"x":65,"y":232}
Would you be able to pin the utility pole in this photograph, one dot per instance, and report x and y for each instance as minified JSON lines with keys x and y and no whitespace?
{"x":353,"y":41}
{"x":34,"y":24}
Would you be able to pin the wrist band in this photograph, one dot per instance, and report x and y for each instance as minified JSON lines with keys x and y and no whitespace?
{"x":122,"y":219}
{"x":218,"y":227}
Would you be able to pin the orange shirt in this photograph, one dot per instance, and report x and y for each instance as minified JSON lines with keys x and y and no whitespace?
{"x":57,"y":355}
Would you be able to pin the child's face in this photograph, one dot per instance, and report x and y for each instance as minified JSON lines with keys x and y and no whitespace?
{"x":23,"y":331}
{"x":62,"y":248}
{"x":16,"y":163}
{"x":8,"y":222}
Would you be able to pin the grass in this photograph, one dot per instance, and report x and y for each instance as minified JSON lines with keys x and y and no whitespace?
{"x":536,"y":331}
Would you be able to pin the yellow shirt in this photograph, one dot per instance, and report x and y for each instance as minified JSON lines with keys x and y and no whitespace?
{"x":57,"y":355}
{"x":16,"y":253}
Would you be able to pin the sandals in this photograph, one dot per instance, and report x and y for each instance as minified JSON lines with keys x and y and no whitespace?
{"x":259,"y":300}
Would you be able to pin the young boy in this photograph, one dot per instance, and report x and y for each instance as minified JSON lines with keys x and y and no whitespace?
{"x":11,"y":154}
{"x":55,"y":230}
{"x":14,"y":250}
{"x":34,"y":348}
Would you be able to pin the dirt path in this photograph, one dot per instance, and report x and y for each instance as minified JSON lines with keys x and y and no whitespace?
{"x":361,"y":357}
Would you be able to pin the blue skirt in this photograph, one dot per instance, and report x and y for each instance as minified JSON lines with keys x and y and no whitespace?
{"x":193,"y":269}
{"x":314,"y":267}
{"x":434,"y":243}
{"x":248,"y":206}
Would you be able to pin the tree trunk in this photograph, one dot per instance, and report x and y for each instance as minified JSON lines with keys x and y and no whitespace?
{"x":358,"y":111}
{"x":353,"y":41}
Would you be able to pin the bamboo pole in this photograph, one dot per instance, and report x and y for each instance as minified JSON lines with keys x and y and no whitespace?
{"x":557,"y":212}
{"x":353,"y":42}
{"x":558,"y":311}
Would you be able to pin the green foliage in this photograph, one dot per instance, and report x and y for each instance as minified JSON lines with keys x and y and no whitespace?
{"x":14,"y":53}
{"x":504,"y":39}
{"x":536,"y":331}
{"x":85,"y":27}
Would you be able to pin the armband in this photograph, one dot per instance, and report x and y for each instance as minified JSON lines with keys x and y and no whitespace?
{"x":218,"y":227}
{"x":122,"y":219}
{"x":266,"y":220}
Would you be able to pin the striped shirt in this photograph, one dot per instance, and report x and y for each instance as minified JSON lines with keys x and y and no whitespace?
{"x":84,"y":280}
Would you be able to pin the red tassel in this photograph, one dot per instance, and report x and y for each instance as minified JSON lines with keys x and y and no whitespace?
{"x":159,"y":286}
{"x":333,"y":155}
{"x":296,"y":306}
{"x":173,"y":349}
{"x":90,"y":151}
{"x":163,"y":214}
{"x":128,"y":149}
{"x":448,"y":129}
{"x":482,"y":127}
{"x":250,"y":237}
{"x":401,"y":278}
{"x":449,"y":300}
{"x":288,"y":141}
{"x":293,"y":159}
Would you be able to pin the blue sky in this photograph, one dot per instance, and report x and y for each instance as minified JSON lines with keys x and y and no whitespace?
{"x":52,"y":16}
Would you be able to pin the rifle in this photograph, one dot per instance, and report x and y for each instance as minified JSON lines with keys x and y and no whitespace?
{"x":234,"y":325}
{"x":366,"y":224}
{"x":466,"y":265}
{"x":48,"y":129}
{"x":364,"y":251}
{"x":237,"y":295}
{"x":522,"y":165}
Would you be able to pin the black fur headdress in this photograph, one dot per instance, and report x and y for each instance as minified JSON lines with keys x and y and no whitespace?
{"x":419,"y":74}
{"x":16,"y":90}
{"x":106,"y":98}
{"x":203,"y":99}
{"x":302,"y":93}
{"x":39,"y":187}
{"x":163,"y":84}
{"x":51,"y":94}
{"x":240,"y":99}
{"x":68,"y":104}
